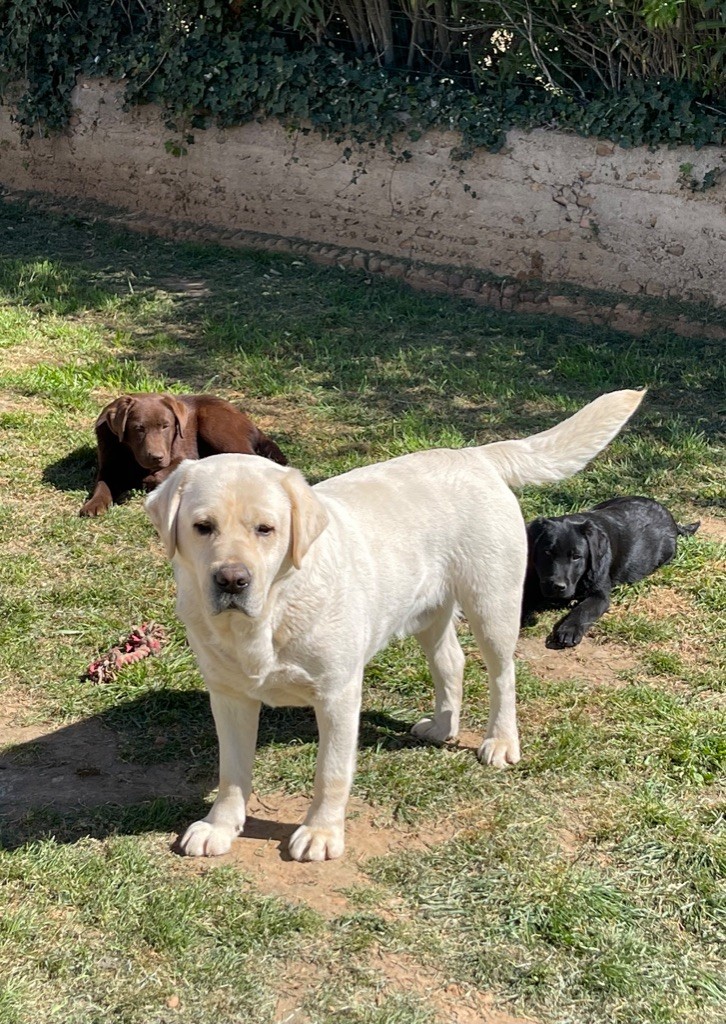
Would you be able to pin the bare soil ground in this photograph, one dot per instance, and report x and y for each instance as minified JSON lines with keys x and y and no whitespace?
{"x":79,"y":765}
{"x":597,"y":662}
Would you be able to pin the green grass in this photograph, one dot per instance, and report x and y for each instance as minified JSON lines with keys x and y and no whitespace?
{"x":104,"y":930}
{"x":626,"y":932}
{"x":586,"y":885}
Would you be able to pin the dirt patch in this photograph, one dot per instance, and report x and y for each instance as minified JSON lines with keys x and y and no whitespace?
{"x":80,"y":765}
{"x":713,"y":529}
{"x":13,"y":404}
{"x":194,"y":288}
{"x":261,"y":852}
{"x":468,"y":740}
{"x":453,"y":1003}
{"x":387,"y":973}
{"x":656,"y":604}
{"x":17,"y":358}
{"x":600,"y":664}
{"x":299,"y":979}
{"x":569,"y":842}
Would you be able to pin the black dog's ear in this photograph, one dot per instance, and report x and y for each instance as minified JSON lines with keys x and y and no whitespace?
{"x":534,"y":532}
{"x":599,"y":554}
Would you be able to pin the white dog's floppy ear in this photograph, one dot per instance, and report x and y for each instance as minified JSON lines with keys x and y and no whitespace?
{"x":162,"y":506}
{"x":309,"y":516}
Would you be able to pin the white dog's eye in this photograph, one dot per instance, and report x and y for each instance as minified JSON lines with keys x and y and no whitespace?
{"x":203,"y":528}
{"x":263,"y":530}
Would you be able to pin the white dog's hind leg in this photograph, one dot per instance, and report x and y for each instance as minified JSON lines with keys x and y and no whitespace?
{"x":446,"y":662}
{"x":495,"y":625}
{"x":236,"y":720}
{"x":322,"y":836}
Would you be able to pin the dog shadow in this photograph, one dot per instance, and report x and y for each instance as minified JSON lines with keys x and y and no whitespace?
{"x":74,"y":471}
{"x":267,"y":830}
{"x":145,"y":765}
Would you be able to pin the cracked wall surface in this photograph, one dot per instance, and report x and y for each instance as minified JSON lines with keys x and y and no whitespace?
{"x":550,"y":206}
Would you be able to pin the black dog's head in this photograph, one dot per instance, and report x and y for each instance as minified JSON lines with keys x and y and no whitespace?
{"x":566,"y":555}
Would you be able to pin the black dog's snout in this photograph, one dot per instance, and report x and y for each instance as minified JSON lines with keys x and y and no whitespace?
{"x":557,"y":588}
{"x":232,"y":578}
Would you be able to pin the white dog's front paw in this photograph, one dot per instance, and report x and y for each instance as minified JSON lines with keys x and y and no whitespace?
{"x":435,"y":730}
{"x":309,"y":843}
{"x":499,"y":751}
{"x":203,"y":839}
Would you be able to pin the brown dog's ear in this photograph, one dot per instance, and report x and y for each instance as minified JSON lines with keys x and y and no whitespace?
{"x":309,"y":515}
{"x":181,"y":413}
{"x":162,"y":506}
{"x":116,"y":414}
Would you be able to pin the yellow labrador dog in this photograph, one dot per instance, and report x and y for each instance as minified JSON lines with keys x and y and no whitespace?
{"x":287,"y":590}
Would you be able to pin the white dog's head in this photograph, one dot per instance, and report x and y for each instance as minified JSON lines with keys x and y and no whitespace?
{"x":237,"y":523}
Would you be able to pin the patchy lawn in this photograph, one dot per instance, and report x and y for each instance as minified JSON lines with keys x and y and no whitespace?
{"x":586,"y":885}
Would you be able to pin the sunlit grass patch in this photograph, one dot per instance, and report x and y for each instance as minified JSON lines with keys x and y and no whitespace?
{"x":172,"y":934}
{"x":72,"y":385}
{"x":503,"y":910}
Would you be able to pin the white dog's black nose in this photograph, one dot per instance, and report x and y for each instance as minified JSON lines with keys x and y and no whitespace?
{"x":232,"y":578}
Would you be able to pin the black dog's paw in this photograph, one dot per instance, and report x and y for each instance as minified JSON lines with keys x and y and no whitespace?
{"x":562,"y":637}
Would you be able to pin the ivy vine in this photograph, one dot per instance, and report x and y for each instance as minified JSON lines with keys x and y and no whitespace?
{"x":205,"y":68}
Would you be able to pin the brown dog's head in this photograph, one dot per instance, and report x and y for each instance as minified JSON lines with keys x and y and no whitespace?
{"x":148,"y":424}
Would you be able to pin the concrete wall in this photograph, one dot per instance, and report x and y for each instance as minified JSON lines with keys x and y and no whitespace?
{"x":551,"y":206}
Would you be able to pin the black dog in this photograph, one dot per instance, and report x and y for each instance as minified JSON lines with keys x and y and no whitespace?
{"x":581,"y":557}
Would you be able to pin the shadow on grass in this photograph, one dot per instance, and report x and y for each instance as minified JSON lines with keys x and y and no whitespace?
{"x":74,"y":471}
{"x":144,"y":765}
{"x":266,"y":325}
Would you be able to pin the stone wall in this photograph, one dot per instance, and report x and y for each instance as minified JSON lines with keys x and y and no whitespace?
{"x":550,"y":207}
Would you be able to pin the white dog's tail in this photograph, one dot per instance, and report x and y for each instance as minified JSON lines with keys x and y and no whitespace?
{"x":563,"y":450}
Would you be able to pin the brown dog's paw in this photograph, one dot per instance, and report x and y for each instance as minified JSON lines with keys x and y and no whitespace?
{"x":93,"y":507}
{"x":152,"y":481}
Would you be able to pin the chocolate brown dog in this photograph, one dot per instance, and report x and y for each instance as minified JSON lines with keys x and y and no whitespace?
{"x":143,"y":438}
